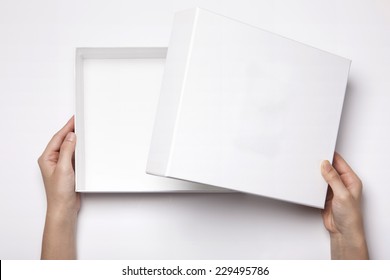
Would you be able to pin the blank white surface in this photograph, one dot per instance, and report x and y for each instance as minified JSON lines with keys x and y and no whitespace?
{"x":37,"y":41}
{"x":115,"y":119}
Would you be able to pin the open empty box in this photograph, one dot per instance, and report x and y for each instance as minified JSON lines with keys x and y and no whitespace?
{"x":117,"y":91}
{"x":246,"y":109}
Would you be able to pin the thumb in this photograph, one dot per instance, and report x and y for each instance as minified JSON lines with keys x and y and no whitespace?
{"x":333,"y":178}
{"x":67,"y":150}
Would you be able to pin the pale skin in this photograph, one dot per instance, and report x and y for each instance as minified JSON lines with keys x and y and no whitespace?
{"x":342,"y":215}
{"x":63,"y":203}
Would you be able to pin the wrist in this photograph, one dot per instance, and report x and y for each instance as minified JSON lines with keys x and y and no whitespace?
{"x":348,"y":246}
{"x":61,"y":214}
{"x":59,"y":234}
{"x":63,"y":207}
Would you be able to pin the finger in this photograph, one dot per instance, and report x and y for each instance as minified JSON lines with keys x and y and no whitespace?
{"x":67,"y":151}
{"x":342,"y":167}
{"x":333,"y":178}
{"x":58,"y":138}
{"x":348,"y":176}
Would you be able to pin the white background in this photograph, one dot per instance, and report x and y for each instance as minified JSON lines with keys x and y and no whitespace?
{"x":37,"y":41}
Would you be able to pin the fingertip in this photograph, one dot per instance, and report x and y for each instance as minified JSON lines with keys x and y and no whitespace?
{"x":326,"y":166}
{"x":337,"y":157}
{"x":71,"y":137}
{"x":332,"y":177}
{"x":67,"y":150}
{"x":69,"y":126}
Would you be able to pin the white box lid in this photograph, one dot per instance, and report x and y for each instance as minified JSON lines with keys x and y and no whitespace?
{"x":246,"y":109}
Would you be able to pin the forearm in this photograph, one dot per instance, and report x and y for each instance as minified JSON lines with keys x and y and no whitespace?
{"x":348,"y":247}
{"x":59,"y":241}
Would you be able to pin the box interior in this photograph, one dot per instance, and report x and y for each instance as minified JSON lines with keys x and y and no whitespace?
{"x":117,"y":92}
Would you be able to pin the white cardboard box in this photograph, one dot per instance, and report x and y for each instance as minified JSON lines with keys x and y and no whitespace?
{"x":246,"y":109}
{"x":116,"y":98}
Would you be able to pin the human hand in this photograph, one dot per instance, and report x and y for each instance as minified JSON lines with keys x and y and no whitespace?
{"x":56,"y":164}
{"x":342,"y":215}
{"x":63,"y":203}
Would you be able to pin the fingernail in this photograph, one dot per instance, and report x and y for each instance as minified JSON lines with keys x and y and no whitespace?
{"x":70,"y":136}
{"x":326,"y":165}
